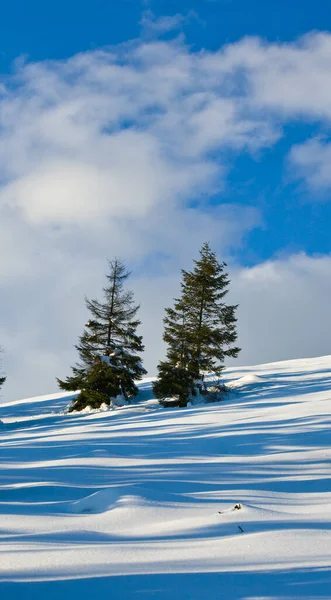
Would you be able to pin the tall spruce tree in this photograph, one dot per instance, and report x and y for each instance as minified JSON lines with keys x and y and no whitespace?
{"x":109,"y":346}
{"x":200,"y":329}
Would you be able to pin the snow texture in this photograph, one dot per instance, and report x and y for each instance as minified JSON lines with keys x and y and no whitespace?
{"x":141,"y":502}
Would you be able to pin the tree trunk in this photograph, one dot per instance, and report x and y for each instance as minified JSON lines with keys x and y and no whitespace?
{"x":111,"y":308}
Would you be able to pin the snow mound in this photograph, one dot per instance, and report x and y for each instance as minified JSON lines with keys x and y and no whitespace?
{"x":106,"y":500}
{"x":120,"y":400}
{"x":246,"y":380}
{"x":98,"y":502}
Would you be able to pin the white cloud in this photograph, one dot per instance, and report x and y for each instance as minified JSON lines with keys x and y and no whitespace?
{"x":155,"y":26}
{"x":96,"y":185}
{"x":72,"y":132}
{"x":284,"y":308}
{"x":117,"y":152}
{"x":311,"y":162}
{"x":291,"y":79}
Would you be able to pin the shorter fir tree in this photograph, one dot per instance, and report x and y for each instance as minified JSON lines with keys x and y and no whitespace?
{"x":200,"y":330}
{"x":109,"y":347}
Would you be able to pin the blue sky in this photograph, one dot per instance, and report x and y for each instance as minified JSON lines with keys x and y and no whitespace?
{"x":60,"y":29}
{"x":143,"y":128}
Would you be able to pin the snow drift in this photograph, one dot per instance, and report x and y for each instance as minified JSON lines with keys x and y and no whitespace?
{"x":138,"y":502}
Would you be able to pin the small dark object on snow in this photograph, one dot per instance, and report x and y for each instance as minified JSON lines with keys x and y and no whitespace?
{"x":237,"y":506}
{"x":240,"y":529}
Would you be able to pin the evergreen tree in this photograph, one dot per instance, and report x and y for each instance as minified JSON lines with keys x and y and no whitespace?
{"x":200,"y":329}
{"x":2,"y":379}
{"x":211,"y":324}
{"x":109,"y":346}
{"x":173,"y":381}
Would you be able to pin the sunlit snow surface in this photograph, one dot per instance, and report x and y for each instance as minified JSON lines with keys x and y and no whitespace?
{"x":137,"y":502}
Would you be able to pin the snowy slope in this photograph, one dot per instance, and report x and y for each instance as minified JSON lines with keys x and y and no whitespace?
{"x":138,"y":502}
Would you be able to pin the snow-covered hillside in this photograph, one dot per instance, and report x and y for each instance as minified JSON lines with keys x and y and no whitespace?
{"x":139,"y":502}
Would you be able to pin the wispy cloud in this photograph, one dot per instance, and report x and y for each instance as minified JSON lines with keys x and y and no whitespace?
{"x":153,"y":26}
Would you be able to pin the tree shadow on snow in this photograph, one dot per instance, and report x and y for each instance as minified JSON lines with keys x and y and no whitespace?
{"x":283,"y":584}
